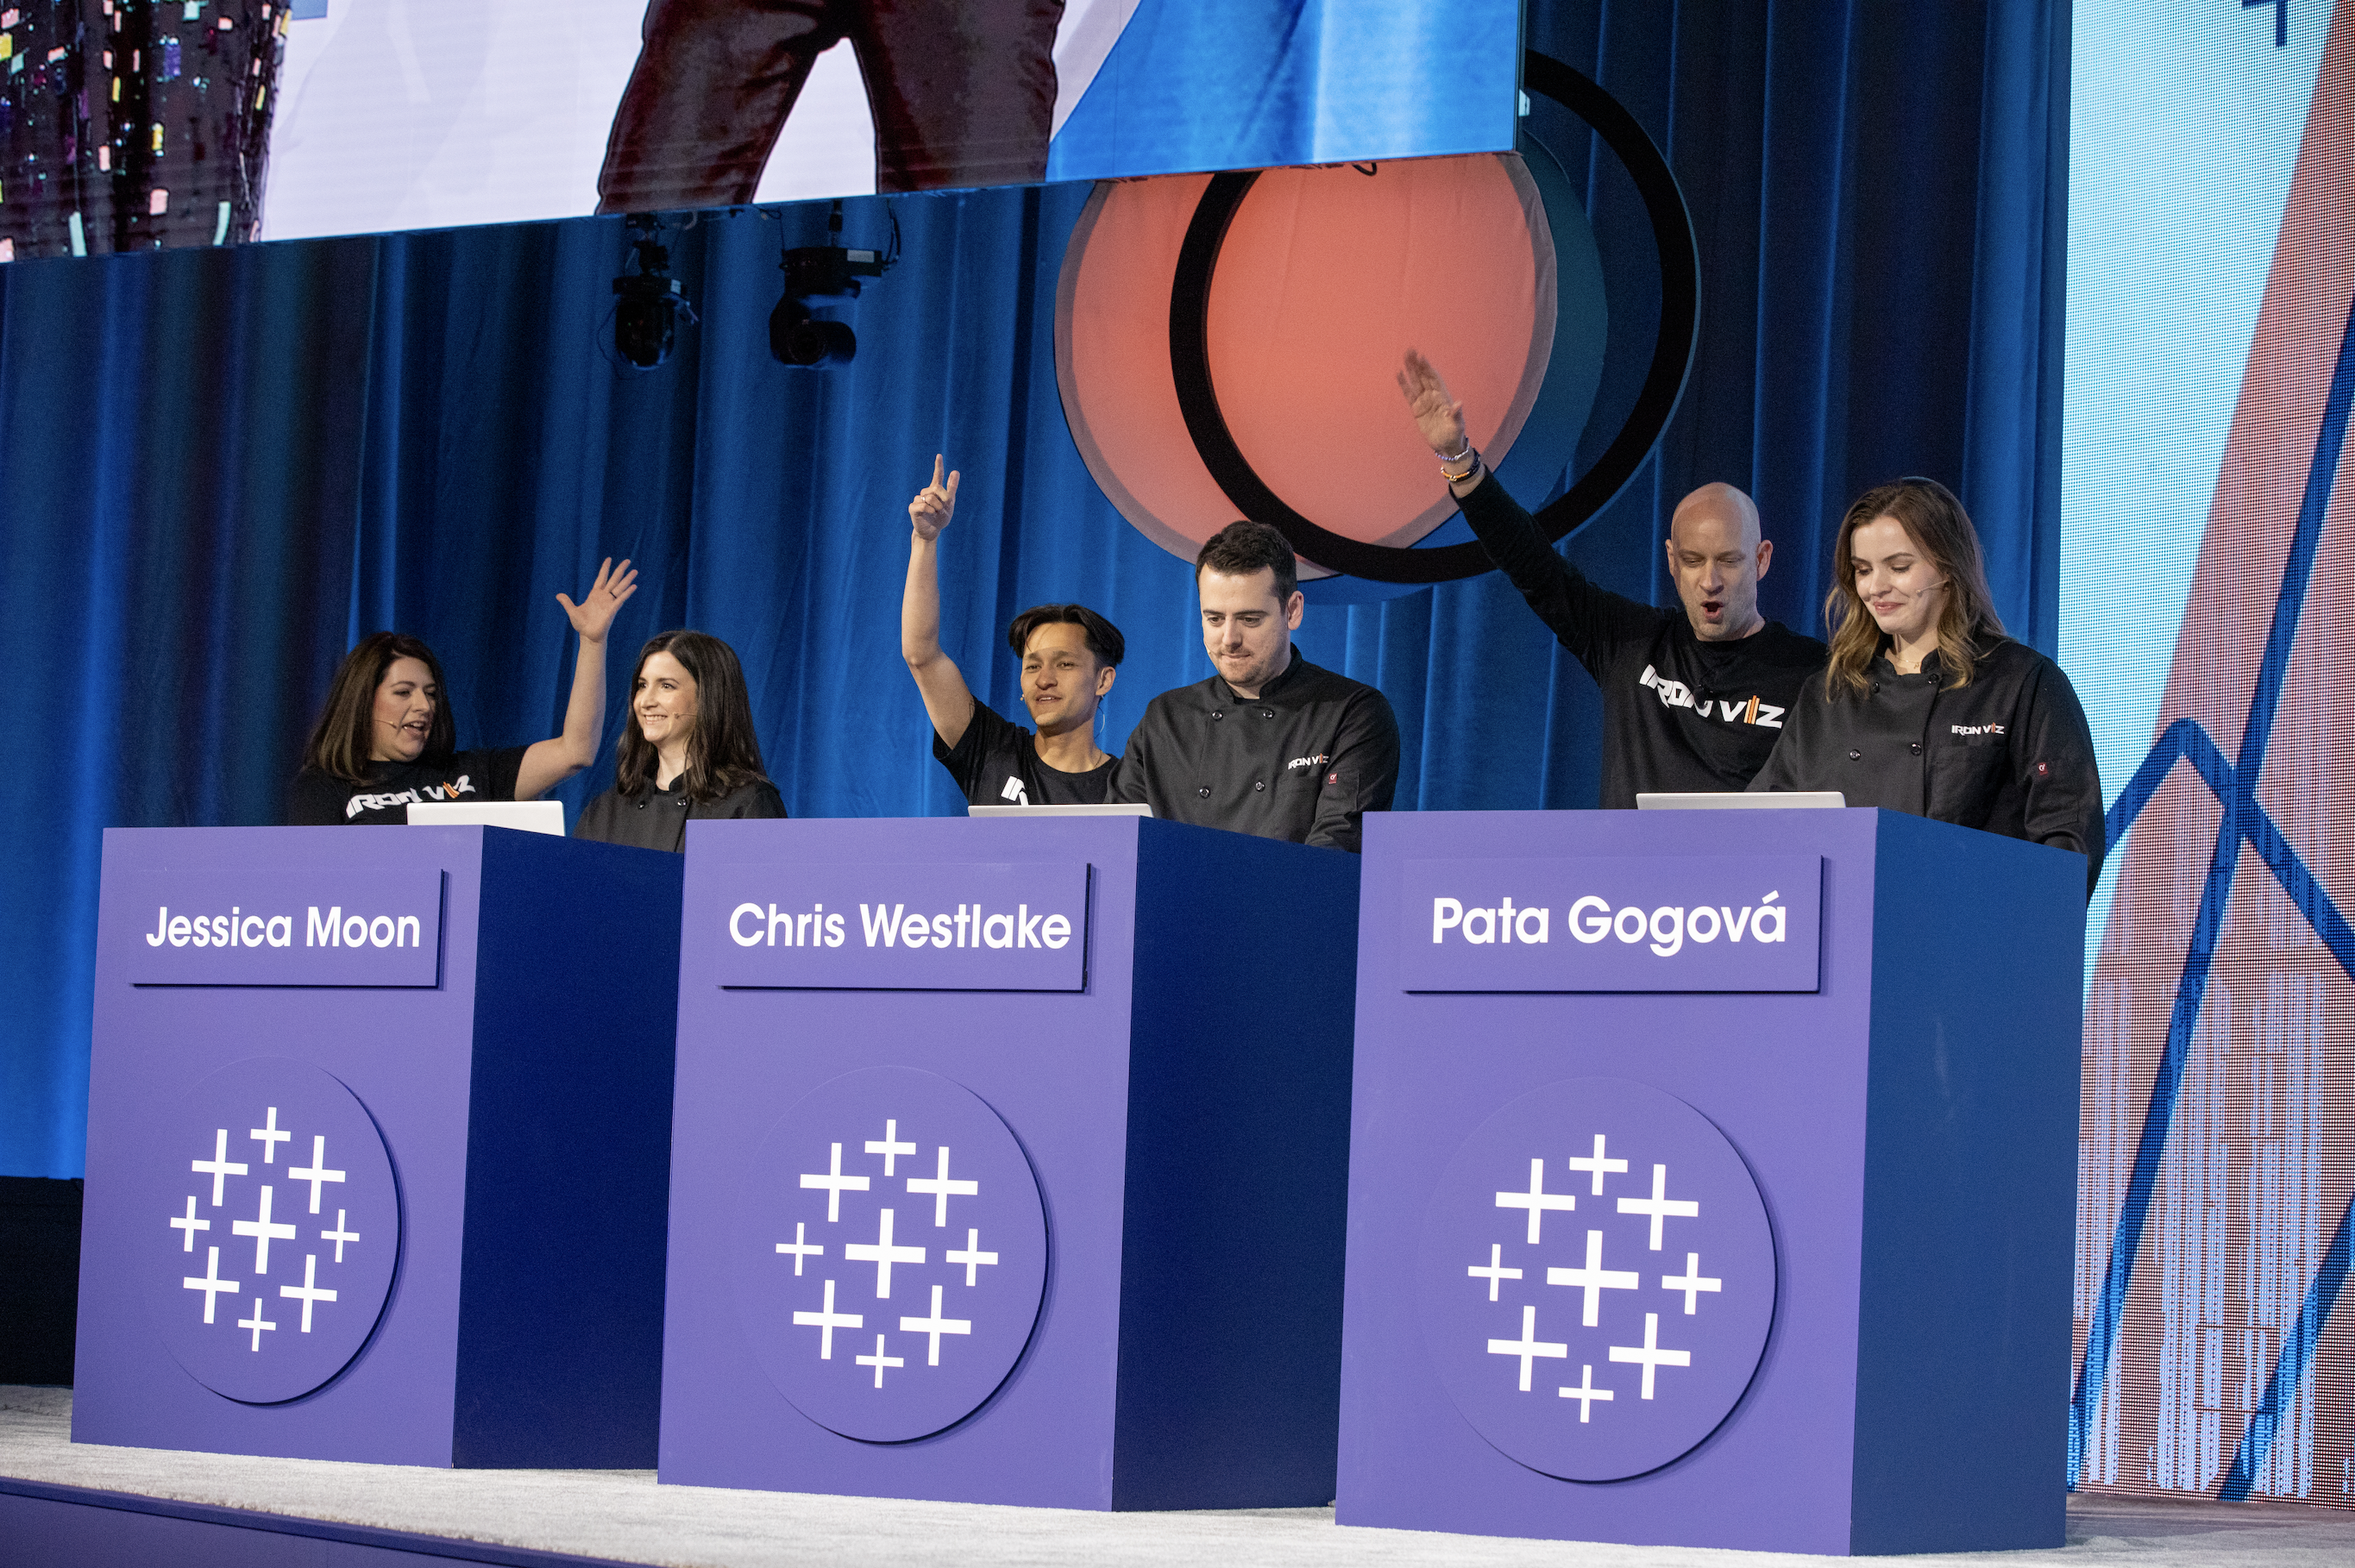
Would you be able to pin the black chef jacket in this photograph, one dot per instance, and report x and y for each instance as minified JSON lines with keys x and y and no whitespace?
{"x":1306,"y":759}
{"x":995,"y":762}
{"x":2011,"y":753}
{"x":1678,"y":714}
{"x":316,"y":799}
{"x":657,"y":819}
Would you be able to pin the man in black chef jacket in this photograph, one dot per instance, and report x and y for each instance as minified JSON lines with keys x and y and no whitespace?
{"x":1692,"y":700}
{"x":1270,"y":744}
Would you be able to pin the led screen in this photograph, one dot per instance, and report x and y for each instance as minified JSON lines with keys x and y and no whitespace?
{"x":2208,"y":554}
{"x":129,"y":124}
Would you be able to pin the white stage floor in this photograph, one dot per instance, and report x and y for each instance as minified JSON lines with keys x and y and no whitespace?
{"x":625,"y":1516}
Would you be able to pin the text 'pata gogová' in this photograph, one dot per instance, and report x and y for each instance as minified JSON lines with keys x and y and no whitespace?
{"x":1658,"y":924}
{"x":1591,"y":919}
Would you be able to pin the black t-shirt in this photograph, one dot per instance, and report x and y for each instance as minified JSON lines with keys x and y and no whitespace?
{"x":1678,"y":714}
{"x":995,"y":764}
{"x":657,"y":819}
{"x":321,"y":800}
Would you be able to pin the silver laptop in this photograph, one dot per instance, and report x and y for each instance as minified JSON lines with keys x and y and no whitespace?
{"x":1741,"y":800}
{"x":524,"y":815}
{"x":1109,"y":808}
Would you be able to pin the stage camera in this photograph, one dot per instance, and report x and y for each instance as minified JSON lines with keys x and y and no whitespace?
{"x":798,"y":336}
{"x":650,"y":301}
{"x":802,"y":338}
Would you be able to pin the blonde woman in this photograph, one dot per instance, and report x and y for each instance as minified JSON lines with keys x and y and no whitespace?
{"x":1926,"y":706}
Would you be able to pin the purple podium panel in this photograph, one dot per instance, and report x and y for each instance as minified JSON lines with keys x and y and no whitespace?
{"x":1049,"y":1209}
{"x":1657,"y":1237}
{"x":378,"y":1146}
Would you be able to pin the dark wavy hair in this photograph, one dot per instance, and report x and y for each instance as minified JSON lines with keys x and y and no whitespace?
{"x":1103,"y":638}
{"x":723,"y":751}
{"x":339,"y":741}
{"x":1934,"y":519}
{"x":1241,"y":548}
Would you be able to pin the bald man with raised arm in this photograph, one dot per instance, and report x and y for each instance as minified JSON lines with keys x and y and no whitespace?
{"x":1693,"y":699}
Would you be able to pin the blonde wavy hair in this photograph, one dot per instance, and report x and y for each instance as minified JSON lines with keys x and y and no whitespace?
{"x":1934,"y":520}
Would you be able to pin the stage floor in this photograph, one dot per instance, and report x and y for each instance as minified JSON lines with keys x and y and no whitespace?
{"x":622,"y":1516}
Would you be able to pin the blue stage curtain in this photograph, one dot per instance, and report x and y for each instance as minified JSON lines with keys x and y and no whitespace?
{"x":221,"y":466}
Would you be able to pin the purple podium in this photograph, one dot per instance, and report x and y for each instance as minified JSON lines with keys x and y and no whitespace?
{"x":379,"y":1136}
{"x":1009,"y":1162}
{"x":1711,"y":1180}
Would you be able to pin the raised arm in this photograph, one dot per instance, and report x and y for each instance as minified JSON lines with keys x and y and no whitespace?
{"x":948,"y":702}
{"x":1591,"y":622}
{"x":1440,"y":417}
{"x":548,"y":763}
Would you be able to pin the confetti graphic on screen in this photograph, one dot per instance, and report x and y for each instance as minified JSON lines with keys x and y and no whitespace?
{"x":134,"y":125}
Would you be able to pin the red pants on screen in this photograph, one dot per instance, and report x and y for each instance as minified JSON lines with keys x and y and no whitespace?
{"x":962,"y":93}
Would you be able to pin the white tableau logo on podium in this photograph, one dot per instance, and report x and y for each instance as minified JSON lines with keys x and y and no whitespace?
{"x":1596,"y":1278}
{"x":890,"y":1253}
{"x":283,"y":1225}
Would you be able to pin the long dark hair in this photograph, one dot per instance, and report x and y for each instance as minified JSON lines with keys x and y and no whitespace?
{"x":1932,"y":517}
{"x":339,"y":741}
{"x":723,"y":753}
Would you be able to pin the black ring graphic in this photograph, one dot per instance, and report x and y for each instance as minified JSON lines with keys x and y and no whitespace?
{"x":1656,"y":403}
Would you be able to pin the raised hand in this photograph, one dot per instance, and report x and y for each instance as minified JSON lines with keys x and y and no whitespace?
{"x":934,"y":505}
{"x":594,"y":617}
{"x":1436,"y":413}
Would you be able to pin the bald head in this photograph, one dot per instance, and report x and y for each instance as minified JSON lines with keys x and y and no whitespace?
{"x":1717,"y":556}
{"x":1721,"y":501}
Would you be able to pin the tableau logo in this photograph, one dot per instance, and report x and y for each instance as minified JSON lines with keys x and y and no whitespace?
{"x":1664,"y":929}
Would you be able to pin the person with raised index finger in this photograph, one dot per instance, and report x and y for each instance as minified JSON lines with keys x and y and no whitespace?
{"x":1071,"y":657}
{"x":1693,"y":699}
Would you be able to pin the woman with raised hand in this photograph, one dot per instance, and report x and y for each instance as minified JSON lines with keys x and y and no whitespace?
{"x":388,"y":738}
{"x":689,"y":752}
{"x":1927,"y":707}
